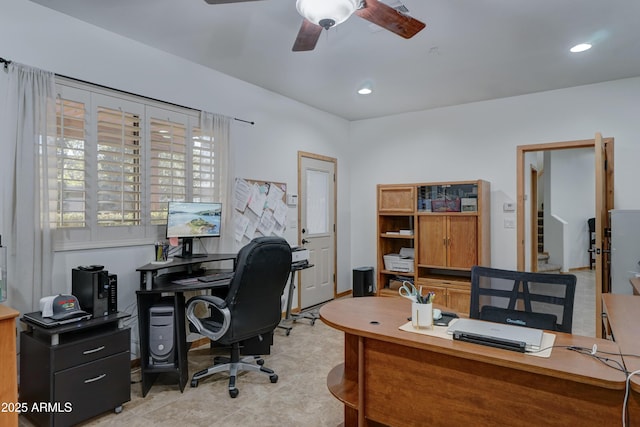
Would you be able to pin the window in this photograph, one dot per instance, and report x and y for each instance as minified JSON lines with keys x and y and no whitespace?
{"x":120,"y":159}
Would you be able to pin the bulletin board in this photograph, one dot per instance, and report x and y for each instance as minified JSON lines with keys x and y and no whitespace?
{"x":259,"y":209}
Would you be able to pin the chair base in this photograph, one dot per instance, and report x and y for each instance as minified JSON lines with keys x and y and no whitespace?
{"x":233,"y":365}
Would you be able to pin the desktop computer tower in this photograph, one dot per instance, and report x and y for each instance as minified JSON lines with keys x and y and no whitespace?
{"x":161,"y":336}
{"x":92,"y":286}
{"x":363,"y":282}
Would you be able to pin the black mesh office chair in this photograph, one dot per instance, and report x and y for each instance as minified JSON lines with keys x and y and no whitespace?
{"x":536,"y":300}
{"x":250,"y":312}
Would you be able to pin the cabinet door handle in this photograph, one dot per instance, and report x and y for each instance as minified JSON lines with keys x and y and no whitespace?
{"x":95,"y":350}
{"x":98,"y":378}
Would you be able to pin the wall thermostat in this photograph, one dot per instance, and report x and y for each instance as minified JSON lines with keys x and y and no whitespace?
{"x":292,"y":199}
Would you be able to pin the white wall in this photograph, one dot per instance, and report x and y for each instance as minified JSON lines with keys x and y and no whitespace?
{"x":479,"y":140}
{"x":34,"y":35}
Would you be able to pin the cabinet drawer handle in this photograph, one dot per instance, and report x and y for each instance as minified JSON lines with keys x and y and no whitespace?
{"x":99,"y":377}
{"x":95,"y":350}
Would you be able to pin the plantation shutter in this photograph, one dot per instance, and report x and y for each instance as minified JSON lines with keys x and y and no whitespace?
{"x":168,"y":169}
{"x":70,"y":208}
{"x":119,"y":168}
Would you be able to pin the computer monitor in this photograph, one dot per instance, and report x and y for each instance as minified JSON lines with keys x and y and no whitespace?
{"x":189,"y":220}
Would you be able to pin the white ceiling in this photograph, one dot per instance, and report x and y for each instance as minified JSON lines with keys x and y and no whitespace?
{"x":471,"y":50}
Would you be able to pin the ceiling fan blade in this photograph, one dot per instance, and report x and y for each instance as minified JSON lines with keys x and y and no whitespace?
{"x":390,"y":19}
{"x":307,"y":36}
{"x":227,"y":1}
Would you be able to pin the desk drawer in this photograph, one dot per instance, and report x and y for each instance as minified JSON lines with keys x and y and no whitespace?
{"x":83,"y":351}
{"x":91,"y":389}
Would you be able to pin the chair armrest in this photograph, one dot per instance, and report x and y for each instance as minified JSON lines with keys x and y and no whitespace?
{"x":214,"y":302}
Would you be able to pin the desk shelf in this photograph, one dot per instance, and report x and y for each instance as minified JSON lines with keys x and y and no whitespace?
{"x":341,"y":388}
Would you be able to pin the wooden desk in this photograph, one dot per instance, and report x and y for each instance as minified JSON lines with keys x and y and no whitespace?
{"x":400,"y":378}
{"x":635,"y":284}
{"x":8,"y":366}
{"x":623,"y":315}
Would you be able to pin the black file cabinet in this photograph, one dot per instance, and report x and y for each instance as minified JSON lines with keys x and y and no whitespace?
{"x":70,"y":375}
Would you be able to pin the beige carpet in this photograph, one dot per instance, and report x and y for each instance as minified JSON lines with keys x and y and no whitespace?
{"x":302,"y":361}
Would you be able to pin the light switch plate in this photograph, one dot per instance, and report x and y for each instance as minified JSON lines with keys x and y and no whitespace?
{"x":509,"y":207}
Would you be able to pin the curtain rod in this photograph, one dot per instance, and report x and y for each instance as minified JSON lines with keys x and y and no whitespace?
{"x":6,"y":63}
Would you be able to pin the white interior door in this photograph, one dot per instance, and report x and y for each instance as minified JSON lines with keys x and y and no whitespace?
{"x":317,"y":228}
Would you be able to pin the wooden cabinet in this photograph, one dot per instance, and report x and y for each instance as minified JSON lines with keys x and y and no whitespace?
{"x":448,"y":241}
{"x":397,"y":198}
{"x":451,"y":292}
{"x":8,"y":366}
{"x":446,"y":224}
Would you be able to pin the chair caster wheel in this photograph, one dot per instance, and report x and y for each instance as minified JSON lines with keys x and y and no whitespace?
{"x":233,"y":392}
{"x":194,"y":383}
{"x":313,"y":322}
{"x":260,"y":362}
{"x":288,"y":332}
{"x":273,"y":378}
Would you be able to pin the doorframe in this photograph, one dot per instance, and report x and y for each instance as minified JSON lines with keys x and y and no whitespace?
{"x":533,"y":213}
{"x":520,"y":170}
{"x":305,"y":154}
{"x":603,"y":279}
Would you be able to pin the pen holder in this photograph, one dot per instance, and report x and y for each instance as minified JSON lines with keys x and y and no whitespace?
{"x":421,"y":315}
{"x":161,"y":251}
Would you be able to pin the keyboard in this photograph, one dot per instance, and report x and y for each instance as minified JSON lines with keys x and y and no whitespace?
{"x":216,"y":277}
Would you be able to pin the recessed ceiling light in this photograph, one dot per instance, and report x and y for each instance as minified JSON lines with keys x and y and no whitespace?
{"x":580,"y":47}
{"x":366,"y":88}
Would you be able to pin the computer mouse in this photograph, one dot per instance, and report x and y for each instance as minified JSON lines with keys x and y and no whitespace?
{"x":437,"y":314}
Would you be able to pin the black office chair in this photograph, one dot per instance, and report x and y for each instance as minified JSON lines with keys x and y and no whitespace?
{"x":536,"y":300}
{"x":251,"y":311}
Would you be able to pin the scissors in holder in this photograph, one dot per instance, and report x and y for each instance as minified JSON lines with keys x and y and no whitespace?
{"x":409,"y":291}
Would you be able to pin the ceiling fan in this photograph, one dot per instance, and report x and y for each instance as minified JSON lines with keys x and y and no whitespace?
{"x":324,"y":14}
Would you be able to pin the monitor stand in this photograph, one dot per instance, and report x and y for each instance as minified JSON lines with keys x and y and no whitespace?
{"x":187,"y":249}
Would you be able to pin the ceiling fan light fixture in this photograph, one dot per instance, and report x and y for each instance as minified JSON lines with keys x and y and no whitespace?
{"x":327,"y":13}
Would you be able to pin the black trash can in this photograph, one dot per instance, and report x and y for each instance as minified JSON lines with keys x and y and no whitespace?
{"x":363,"y":282}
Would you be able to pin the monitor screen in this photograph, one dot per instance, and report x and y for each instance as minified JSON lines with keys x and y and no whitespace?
{"x":194,"y":219}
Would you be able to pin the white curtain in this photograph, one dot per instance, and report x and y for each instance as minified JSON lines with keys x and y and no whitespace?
{"x":219,"y":127}
{"x":30,"y":125}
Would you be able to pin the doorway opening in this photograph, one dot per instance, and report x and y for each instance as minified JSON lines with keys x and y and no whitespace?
{"x":602,"y":185}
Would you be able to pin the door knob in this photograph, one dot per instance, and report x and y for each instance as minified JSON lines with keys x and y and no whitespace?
{"x":304,"y":241}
